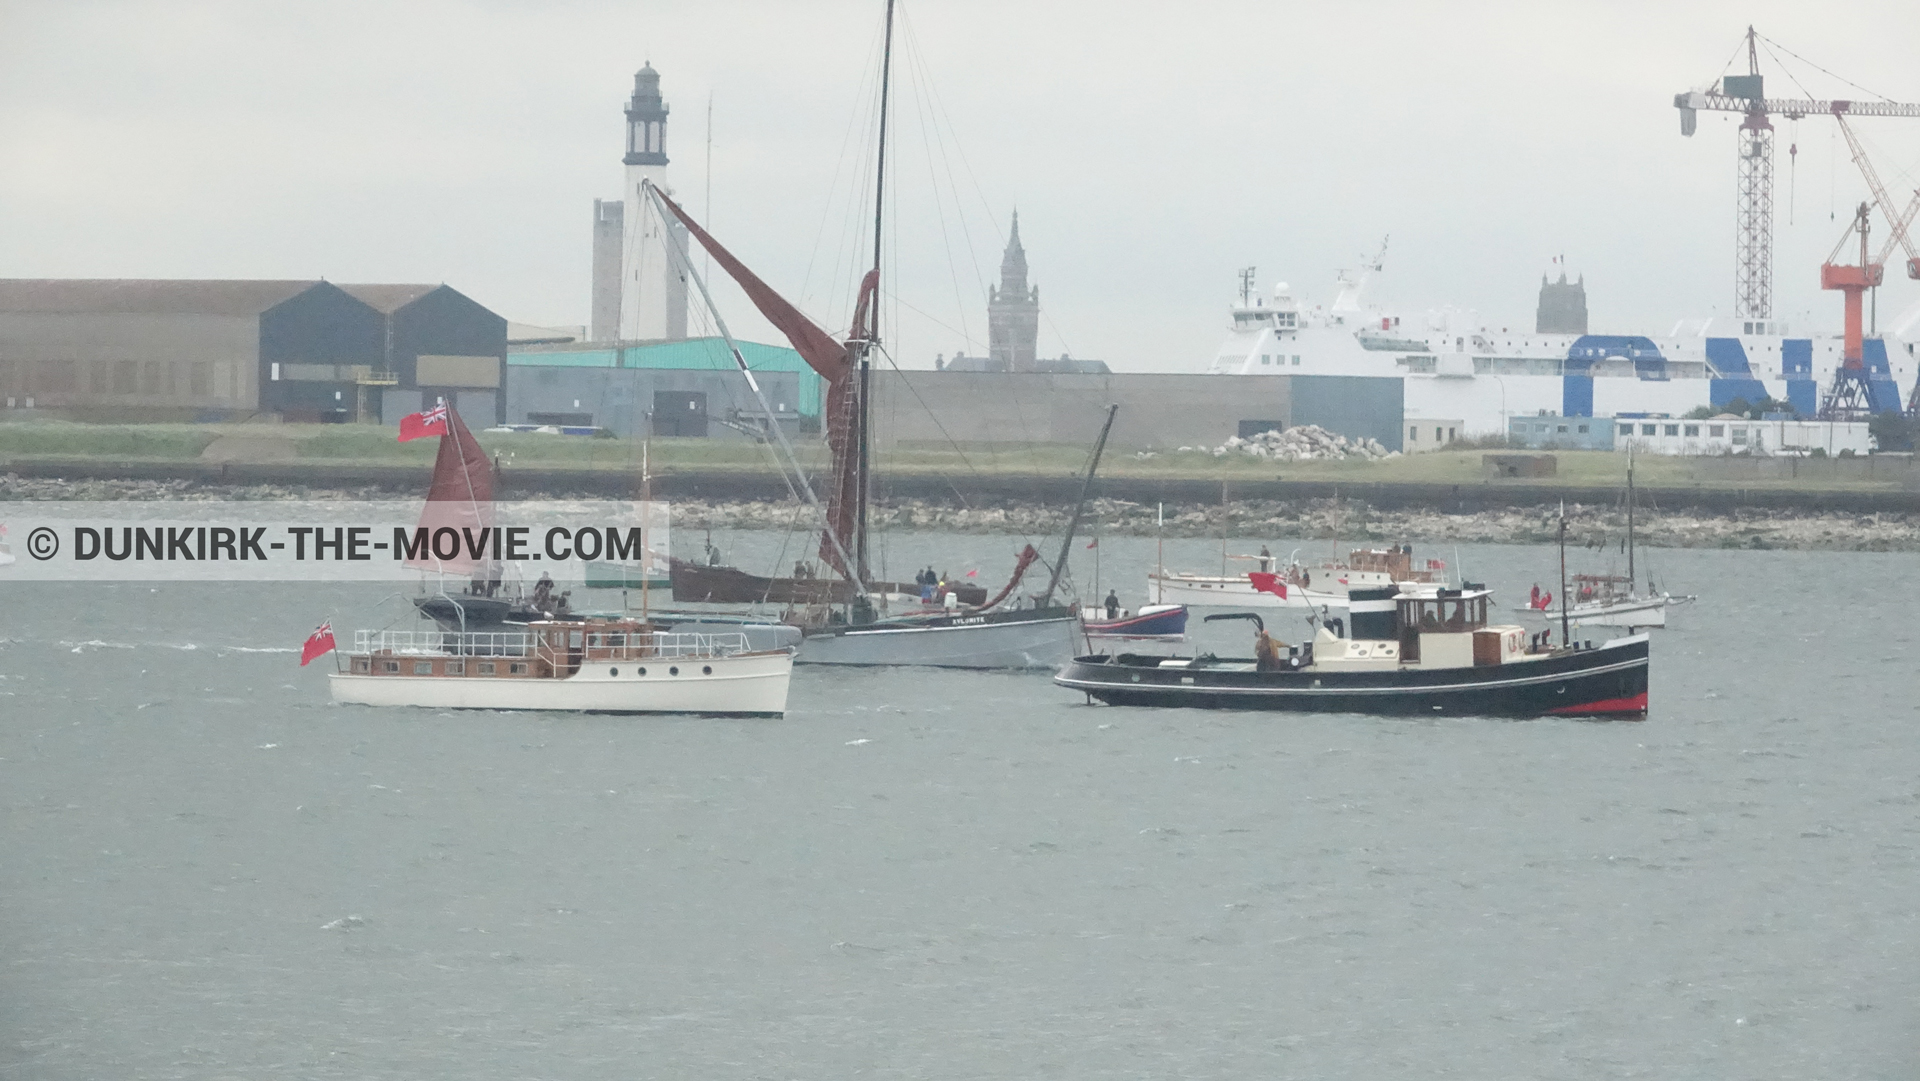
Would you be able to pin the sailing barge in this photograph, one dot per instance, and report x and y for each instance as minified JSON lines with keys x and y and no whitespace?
{"x":1409,"y":654}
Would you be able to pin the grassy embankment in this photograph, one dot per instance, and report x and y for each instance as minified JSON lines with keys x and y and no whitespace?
{"x":367,"y":444}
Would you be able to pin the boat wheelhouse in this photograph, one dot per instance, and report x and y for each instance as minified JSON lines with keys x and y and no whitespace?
{"x":609,"y":666}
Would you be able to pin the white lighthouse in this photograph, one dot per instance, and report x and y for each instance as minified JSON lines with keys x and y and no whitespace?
{"x":653,"y":290}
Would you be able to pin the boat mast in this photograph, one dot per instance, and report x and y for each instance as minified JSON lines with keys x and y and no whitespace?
{"x":863,"y":412}
{"x":646,"y":516}
{"x":1079,"y":509}
{"x":1566,"y":635}
{"x":1630,"y":579}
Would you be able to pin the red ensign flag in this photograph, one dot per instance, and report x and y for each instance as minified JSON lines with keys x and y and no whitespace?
{"x":1268,"y":583}
{"x":319,"y":644}
{"x":422,"y":425}
{"x":1094,"y":543}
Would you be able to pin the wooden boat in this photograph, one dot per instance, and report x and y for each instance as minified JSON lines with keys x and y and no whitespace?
{"x":1161,"y":622}
{"x":602,"y":666}
{"x":1409,"y":654}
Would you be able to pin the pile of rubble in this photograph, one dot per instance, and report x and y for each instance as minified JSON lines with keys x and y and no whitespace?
{"x":1309,"y":442}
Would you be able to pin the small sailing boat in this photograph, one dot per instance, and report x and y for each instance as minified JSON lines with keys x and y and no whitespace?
{"x":1609,"y":600}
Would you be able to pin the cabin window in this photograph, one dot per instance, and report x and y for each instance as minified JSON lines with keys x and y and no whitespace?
{"x":1739,"y":435}
{"x":423,"y":668}
{"x":517,"y":668}
{"x":1296,"y":361}
{"x":1715,"y":431}
{"x":360,"y":664}
{"x":1583,"y":429}
{"x":390,"y":666}
{"x":1626,"y":429}
{"x":1413,"y":434}
{"x":1646,"y":429}
{"x":1673,"y":429}
{"x":456,"y":668}
{"x":1562,"y":428}
{"x":674,"y":671}
{"x":1693,"y":429}
{"x":486,"y":668}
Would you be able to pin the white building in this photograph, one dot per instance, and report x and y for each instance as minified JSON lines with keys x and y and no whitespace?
{"x":1729,"y":434}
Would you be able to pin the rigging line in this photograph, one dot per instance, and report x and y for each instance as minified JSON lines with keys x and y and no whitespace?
{"x":922,"y":313}
{"x":1044,"y":314}
{"x":1818,"y":68}
{"x":953,"y":186}
{"x":1783,"y":67}
{"x":714,"y":354}
{"x":931,"y":415}
{"x":918,"y":75}
{"x":833,"y":186}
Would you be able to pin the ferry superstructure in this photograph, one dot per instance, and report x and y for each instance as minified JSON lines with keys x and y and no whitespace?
{"x":1458,"y":368}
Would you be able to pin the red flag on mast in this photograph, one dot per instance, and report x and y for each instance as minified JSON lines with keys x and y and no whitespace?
{"x":318,"y":644}
{"x":421,"y":425}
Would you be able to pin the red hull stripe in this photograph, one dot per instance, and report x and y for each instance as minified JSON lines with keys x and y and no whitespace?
{"x":1635,"y":704}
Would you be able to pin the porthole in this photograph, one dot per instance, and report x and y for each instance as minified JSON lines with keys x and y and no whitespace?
{"x":613,"y":671}
{"x":674,"y":671}
{"x":706,"y":669}
{"x":642,"y":672}
{"x":1136,"y":677}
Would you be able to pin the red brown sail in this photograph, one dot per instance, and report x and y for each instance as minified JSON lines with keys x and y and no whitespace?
{"x":460,"y":498}
{"x":833,"y":361}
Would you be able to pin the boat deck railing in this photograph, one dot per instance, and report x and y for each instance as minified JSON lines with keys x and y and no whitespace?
{"x":562,"y":645}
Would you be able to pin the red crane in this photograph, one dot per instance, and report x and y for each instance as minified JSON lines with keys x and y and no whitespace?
{"x":1753,"y":241}
{"x":1849,"y":397}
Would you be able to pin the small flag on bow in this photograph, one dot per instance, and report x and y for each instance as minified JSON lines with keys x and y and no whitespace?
{"x":318,"y":644}
{"x":422,"y":425}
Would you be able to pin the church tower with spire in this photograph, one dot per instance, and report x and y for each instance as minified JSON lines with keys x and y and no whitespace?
{"x":1013,"y":311}
{"x":653,"y":290}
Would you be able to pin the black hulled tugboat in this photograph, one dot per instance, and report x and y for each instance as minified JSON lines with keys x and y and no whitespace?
{"x":1408,"y":654}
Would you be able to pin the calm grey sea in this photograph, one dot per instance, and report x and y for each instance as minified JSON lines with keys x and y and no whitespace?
{"x":207,"y":871}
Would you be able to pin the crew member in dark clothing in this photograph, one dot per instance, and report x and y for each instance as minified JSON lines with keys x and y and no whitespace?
{"x":1266,"y":559}
{"x":1113,"y":605}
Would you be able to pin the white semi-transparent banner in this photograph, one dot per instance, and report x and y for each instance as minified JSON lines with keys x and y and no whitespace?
{"x":598,"y":542}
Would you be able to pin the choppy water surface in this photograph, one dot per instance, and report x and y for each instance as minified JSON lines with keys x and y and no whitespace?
{"x":207,"y":871}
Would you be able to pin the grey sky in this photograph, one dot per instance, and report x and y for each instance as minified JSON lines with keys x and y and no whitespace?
{"x":1153,"y":149}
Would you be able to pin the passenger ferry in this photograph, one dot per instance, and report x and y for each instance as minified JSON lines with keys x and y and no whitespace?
{"x":1466,"y":376}
{"x":595,"y":665}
